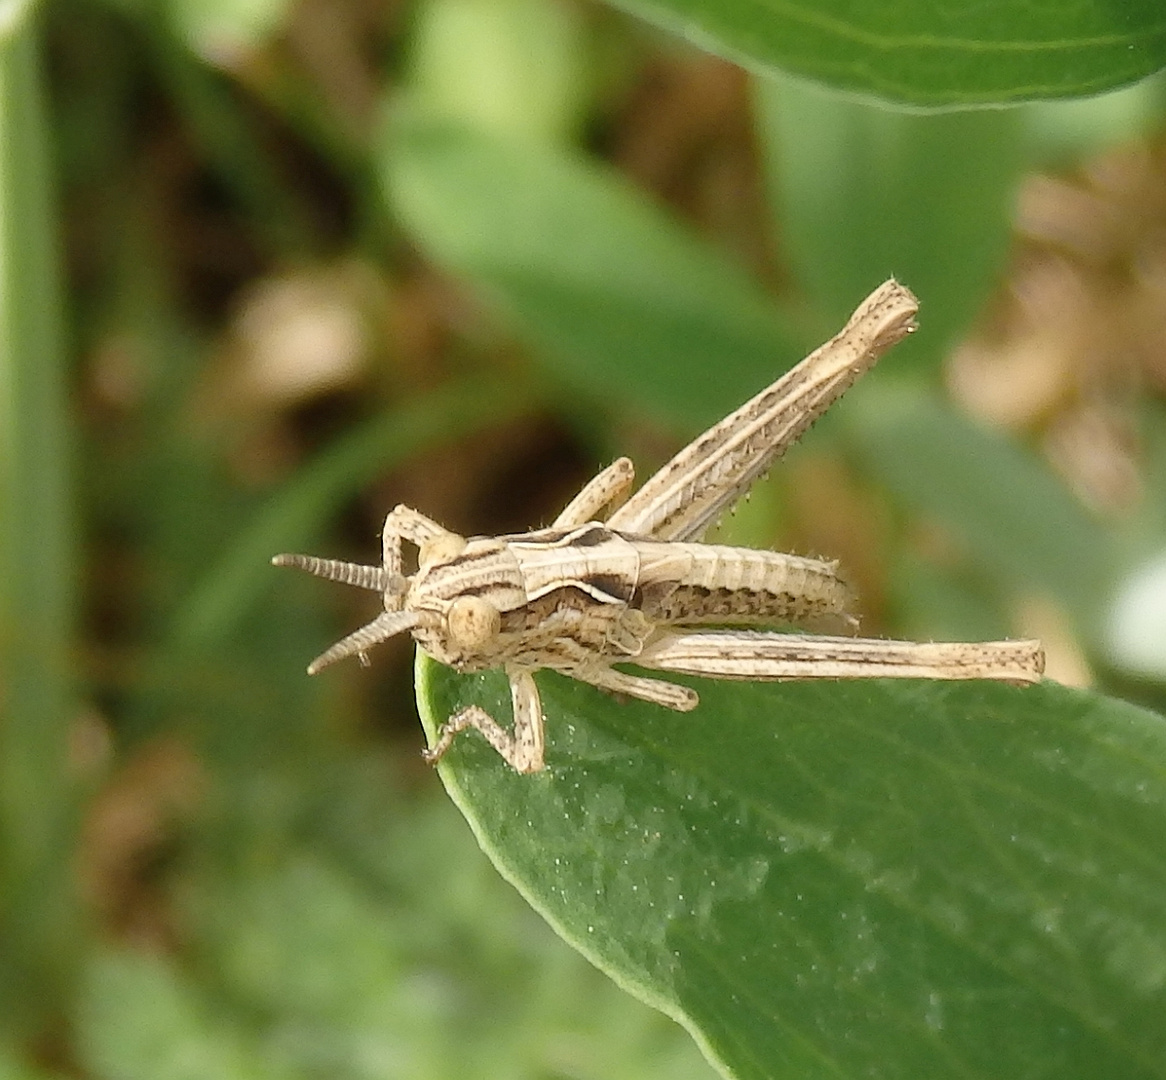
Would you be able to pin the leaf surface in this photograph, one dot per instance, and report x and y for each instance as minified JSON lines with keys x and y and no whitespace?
{"x":849,"y":879}
{"x":923,"y":53}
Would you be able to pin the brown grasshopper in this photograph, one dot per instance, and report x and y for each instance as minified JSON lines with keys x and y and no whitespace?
{"x":639,"y":587}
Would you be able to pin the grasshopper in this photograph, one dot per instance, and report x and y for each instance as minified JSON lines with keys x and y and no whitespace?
{"x":638,"y":587}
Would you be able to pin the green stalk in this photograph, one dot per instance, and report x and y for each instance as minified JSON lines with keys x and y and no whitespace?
{"x":38,"y":914}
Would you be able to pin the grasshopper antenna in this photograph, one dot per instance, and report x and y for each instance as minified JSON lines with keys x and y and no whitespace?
{"x":363,"y":577}
{"x":383,"y":627}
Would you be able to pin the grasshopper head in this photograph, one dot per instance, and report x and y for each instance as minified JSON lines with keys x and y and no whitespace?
{"x":464,"y":587}
{"x":453,"y":603}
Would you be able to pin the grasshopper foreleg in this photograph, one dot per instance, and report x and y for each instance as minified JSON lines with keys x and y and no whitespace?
{"x":656,"y":691}
{"x":607,"y":489}
{"x":522,"y":747}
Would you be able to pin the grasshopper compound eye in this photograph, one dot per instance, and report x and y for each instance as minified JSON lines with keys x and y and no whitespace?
{"x":473,"y":622}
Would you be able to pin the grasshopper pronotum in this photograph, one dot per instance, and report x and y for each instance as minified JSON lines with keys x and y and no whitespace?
{"x":584,"y":595}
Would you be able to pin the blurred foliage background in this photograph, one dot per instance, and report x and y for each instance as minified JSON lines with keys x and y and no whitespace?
{"x":270,"y":268}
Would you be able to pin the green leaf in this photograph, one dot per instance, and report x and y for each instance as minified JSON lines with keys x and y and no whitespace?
{"x":626,"y":303}
{"x":516,"y":67}
{"x":923,"y":53}
{"x":226,"y":31}
{"x":924,"y":198}
{"x":140,"y":1020}
{"x":888,"y":879}
{"x":1011,"y":514}
{"x":12,"y":1068}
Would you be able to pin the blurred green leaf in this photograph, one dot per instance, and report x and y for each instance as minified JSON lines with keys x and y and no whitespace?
{"x":1000,"y":503}
{"x":299,"y":939}
{"x":630,"y":305}
{"x":514,"y":67}
{"x":230,"y":138}
{"x":924,"y":198}
{"x":291,"y":517}
{"x":38,"y":916}
{"x":139,"y":1020}
{"x":11,"y":1068}
{"x":892,"y":879}
{"x":1066,"y":131}
{"x":226,"y":31}
{"x":368,"y":937}
{"x":946,"y":601}
{"x":922,"y":53}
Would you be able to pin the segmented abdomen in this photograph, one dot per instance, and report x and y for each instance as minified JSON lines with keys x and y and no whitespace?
{"x":707,"y":583}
